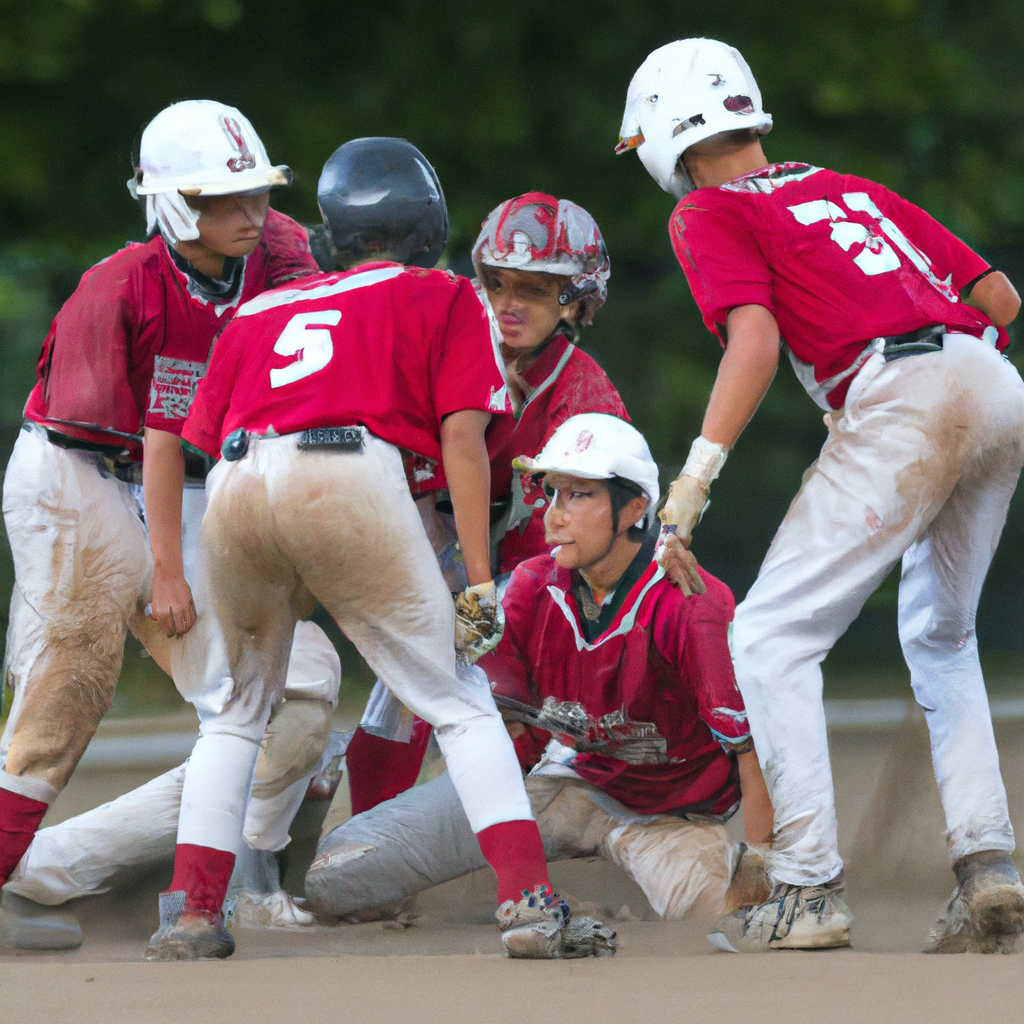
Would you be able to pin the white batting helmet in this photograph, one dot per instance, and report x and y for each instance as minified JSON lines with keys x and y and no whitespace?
{"x":538,"y":233}
{"x":198,"y":148}
{"x":683,"y":93}
{"x":597,"y":446}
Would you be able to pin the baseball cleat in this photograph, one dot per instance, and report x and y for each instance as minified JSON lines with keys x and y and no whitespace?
{"x":25,"y":924}
{"x":985,"y":914}
{"x":793,"y":917}
{"x":540,"y":927}
{"x":188,"y":934}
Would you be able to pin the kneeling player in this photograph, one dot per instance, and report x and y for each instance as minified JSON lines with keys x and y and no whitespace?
{"x":634,"y":678}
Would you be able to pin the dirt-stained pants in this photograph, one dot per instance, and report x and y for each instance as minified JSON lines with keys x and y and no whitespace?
{"x":82,"y":575}
{"x":286,"y":528}
{"x":921,"y":465}
{"x":422,"y":839}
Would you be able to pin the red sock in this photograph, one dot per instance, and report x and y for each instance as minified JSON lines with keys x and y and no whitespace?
{"x":515,"y":851}
{"x":380,"y":769}
{"x":203,"y":873}
{"x":19,"y":819}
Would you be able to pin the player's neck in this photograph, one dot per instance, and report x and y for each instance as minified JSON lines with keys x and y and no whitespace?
{"x":717,"y":166}
{"x":206,"y":260}
{"x":603,"y":575}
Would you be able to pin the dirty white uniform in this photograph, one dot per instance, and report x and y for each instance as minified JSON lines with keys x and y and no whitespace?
{"x":90,"y":853}
{"x":925,"y":445}
{"x":650,"y":682}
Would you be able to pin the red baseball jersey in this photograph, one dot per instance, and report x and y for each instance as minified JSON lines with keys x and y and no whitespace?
{"x":657,"y":685}
{"x":563,"y":381}
{"x":393,"y":348}
{"x":837,"y":259}
{"x":128,"y":348}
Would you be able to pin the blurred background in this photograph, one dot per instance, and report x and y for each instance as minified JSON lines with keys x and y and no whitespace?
{"x":924,"y":96}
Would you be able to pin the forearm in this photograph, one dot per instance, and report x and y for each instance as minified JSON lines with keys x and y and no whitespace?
{"x":996,"y":297}
{"x":468,"y":472}
{"x":163,"y":479}
{"x":748,"y":365}
{"x":758,"y":815}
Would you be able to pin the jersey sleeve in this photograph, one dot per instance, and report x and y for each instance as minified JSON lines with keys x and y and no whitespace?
{"x":508,"y":666}
{"x":96,"y":340}
{"x":204,"y":426}
{"x":468,"y":371}
{"x":286,"y":244}
{"x":698,"y":645}
{"x":951,"y":257}
{"x":724,"y":265}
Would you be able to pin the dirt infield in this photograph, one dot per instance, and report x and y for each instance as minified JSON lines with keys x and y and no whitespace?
{"x":447,"y":966}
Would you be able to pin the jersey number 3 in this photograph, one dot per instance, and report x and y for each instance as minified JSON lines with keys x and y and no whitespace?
{"x":306,"y":337}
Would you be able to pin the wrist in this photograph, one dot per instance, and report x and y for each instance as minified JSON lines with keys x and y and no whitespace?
{"x":705,"y":461}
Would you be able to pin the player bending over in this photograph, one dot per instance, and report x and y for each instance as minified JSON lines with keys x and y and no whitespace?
{"x":310,"y":393}
{"x":895,"y":327}
{"x":651,"y":749}
{"x":542,"y":265}
{"x":123,"y":357}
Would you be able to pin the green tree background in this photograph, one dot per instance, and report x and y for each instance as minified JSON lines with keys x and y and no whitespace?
{"x":922,"y":95}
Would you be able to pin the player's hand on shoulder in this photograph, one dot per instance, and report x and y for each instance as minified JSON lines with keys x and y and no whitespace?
{"x":171,"y":606}
{"x":680,"y":565}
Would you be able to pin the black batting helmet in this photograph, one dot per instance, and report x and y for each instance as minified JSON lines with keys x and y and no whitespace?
{"x":380,"y":198}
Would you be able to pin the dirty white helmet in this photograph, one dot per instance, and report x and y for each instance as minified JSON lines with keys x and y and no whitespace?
{"x":597,"y":446}
{"x":198,"y":148}
{"x":683,"y":93}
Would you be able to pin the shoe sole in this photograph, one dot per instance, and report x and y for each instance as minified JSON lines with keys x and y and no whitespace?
{"x":823,"y":941}
{"x":172,"y":950}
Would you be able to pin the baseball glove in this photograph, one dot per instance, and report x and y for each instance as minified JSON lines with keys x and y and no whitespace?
{"x":479,"y":621}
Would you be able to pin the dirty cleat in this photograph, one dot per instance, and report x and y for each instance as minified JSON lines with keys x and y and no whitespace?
{"x":188,"y":934}
{"x":25,"y":924}
{"x":985,"y":914}
{"x":793,"y":917}
{"x":255,"y":898}
{"x":540,"y":927}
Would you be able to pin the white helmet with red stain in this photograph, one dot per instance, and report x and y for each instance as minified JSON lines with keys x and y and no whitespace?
{"x":684,"y":93}
{"x":198,"y":148}
{"x":538,"y":233}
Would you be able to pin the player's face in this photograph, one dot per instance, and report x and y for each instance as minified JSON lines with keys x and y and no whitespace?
{"x":578,"y":522}
{"x":231,"y":225}
{"x":526,"y":305}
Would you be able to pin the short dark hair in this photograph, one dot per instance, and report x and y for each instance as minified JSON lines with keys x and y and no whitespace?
{"x":622,"y":492}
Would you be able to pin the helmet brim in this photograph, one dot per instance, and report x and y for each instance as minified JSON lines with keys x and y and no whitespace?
{"x":245,"y":181}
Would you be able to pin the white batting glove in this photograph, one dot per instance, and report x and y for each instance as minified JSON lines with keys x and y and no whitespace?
{"x":688,"y":493}
{"x":479,"y":621}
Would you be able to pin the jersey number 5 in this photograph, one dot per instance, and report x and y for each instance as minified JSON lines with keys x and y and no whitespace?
{"x":306,"y":337}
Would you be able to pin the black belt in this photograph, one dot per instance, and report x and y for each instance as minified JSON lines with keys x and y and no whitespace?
{"x":913,"y":343}
{"x":339,"y":439}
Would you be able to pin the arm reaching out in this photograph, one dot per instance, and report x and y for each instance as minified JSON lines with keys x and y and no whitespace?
{"x":163,"y":478}
{"x":468,"y":470}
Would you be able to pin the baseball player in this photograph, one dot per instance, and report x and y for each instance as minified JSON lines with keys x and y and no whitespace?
{"x":896,"y":329}
{"x":634,"y":679}
{"x":310,"y":393}
{"x":117,"y":373}
{"x":543,"y":268}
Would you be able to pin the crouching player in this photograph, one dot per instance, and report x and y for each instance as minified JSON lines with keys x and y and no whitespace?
{"x":651,"y":750}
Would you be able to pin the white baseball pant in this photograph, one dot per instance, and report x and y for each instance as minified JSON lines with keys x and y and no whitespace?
{"x":422,"y":839}
{"x":82,"y":575}
{"x":286,"y":528}
{"x":920,"y":465}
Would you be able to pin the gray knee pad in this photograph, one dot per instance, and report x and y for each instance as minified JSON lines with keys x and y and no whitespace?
{"x":403,"y":846}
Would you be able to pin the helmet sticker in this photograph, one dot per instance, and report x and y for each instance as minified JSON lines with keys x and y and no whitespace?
{"x":739,"y":104}
{"x":718,"y":79}
{"x":584,"y":440}
{"x":245,"y":160}
{"x":690,"y":122}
